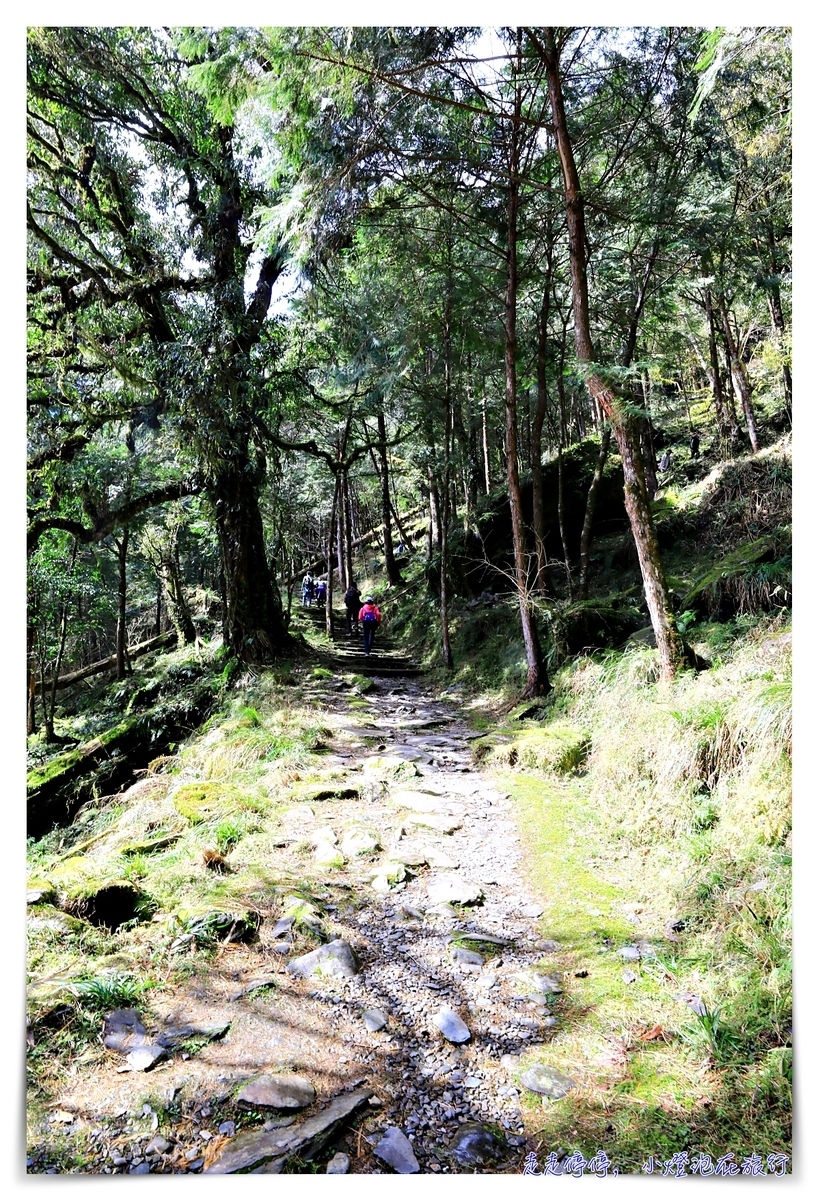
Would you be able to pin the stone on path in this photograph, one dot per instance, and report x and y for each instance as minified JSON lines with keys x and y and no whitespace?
{"x":547,"y":1081}
{"x":267,"y":1151}
{"x":421,"y":802}
{"x":441,"y":823}
{"x":338,"y":1164}
{"x":467,"y":958}
{"x":359,"y":841}
{"x":327,"y":855}
{"x":374,"y":1019}
{"x":277,"y":1091}
{"x":453,"y":1027}
{"x":532,"y":910}
{"x":143,"y":1058}
{"x":473,"y":1145}
{"x":396,"y":1150}
{"x":335,"y":959}
{"x":630,"y":953}
{"x":547,"y":945}
{"x":453,"y":889}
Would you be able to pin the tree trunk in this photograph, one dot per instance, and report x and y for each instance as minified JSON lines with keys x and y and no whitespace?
{"x":776,"y":308}
{"x":392,"y":569}
{"x":725,"y":421}
{"x":538,"y":517}
{"x":435,"y":533}
{"x":253,"y":617}
{"x":668,"y":641}
{"x":648,"y":455}
{"x":348,"y":543}
{"x":740,"y":378}
{"x":486,"y":456}
{"x":561,"y":522}
{"x":448,"y":660}
{"x":590,"y":508}
{"x":31,"y":661}
{"x":336,"y":496}
{"x":537,"y":682}
{"x":121,"y":630}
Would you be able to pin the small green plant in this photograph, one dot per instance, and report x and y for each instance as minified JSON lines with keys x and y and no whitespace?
{"x":110,"y":990}
{"x":721,"y":1041}
{"x":228,"y":833}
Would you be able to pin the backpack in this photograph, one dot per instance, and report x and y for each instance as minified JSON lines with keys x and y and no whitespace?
{"x":369,"y":614}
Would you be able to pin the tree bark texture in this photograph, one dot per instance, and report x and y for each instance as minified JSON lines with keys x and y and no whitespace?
{"x":121,"y":630}
{"x":253,"y":617}
{"x":741,"y":379}
{"x":537,"y":681}
{"x":637,"y":505}
{"x":392,"y":569}
{"x":590,"y":509}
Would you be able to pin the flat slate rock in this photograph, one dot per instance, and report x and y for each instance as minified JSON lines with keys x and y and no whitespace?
{"x":467,"y":958}
{"x":277,"y":1091}
{"x":547,"y":1081}
{"x":453,"y":889}
{"x":453,"y":1027}
{"x":143,"y":1058}
{"x":395,"y":1149}
{"x":473,"y":1145}
{"x":123,"y":1030}
{"x":266,"y":1152}
{"x":374,"y":1019}
{"x":441,"y":823}
{"x":335,"y":959}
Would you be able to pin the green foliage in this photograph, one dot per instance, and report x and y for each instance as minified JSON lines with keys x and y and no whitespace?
{"x":114,"y":989}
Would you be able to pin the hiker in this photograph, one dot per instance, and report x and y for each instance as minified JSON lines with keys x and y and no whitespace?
{"x":306,"y":591}
{"x":694,"y":446}
{"x":321,"y":592}
{"x":352,"y":600}
{"x":370,"y":618}
{"x":664,"y":461}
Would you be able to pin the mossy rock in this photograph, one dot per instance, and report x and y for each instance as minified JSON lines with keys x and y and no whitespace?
{"x":311,"y":793}
{"x":217,"y":925}
{"x":387,"y":766}
{"x":557,"y":749}
{"x":205,"y":801}
{"x":321,"y":673}
{"x":72,"y":872}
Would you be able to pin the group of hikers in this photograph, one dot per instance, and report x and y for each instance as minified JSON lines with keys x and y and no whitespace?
{"x":361,"y":614}
{"x":313,"y":590}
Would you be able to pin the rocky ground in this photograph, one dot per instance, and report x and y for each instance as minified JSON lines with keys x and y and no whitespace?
{"x":405,"y":1040}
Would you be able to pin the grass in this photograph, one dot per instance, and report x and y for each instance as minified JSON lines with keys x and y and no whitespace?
{"x":677,"y":831}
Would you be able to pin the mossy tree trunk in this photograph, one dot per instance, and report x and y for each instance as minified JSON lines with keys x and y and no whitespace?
{"x":253,"y":619}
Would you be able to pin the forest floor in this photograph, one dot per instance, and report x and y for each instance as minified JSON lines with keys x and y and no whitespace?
{"x":481,"y":901}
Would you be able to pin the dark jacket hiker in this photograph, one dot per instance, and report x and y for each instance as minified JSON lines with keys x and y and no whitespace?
{"x":352,"y":600}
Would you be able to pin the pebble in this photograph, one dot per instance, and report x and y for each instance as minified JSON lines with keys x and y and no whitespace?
{"x":396,"y":1150}
{"x":338,"y":1164}
{"x":453,"y":1027}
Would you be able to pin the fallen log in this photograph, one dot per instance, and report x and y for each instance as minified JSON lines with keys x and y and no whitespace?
{"x":57,"y":788}
{"x":107,"y":664}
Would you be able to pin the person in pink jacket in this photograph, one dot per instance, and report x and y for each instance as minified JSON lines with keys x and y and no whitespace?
{"x":369,"y":618}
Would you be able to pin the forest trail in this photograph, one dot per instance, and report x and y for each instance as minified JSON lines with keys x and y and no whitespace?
{"x":440,"y":921}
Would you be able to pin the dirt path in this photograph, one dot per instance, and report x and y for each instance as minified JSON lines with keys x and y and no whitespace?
{"x":415,"y":863}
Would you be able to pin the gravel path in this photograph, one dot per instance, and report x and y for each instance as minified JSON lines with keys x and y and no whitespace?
{"x":452,"y":983}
